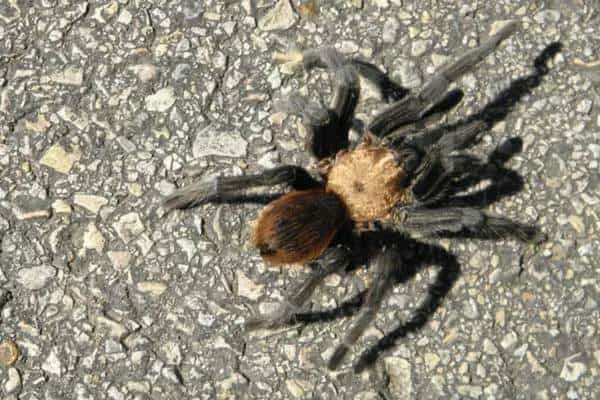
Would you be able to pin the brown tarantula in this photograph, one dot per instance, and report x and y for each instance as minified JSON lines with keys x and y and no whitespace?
{"x":391,"y":179}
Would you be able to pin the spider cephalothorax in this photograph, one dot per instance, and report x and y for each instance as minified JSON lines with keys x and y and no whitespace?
{"x":390,"y":179}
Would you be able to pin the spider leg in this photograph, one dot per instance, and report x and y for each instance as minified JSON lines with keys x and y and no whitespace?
{"x":455,"y":220}
{"x":335,"y":259}
{"x":327,"y":128}
{"x":386,"y":262}
{"x":438,"y":167}
{"x":222,"y":189}
{"x":415,"y":106}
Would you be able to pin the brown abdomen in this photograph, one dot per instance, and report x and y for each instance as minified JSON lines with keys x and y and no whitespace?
{"x":299,"y":226}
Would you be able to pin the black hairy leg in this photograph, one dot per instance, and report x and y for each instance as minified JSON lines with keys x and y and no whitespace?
{"x":461,"y":221}
{"x":385,"y":264}
{"x":439,"y":167}
{"x":327,"y":127}
{"x":335,"y":259}
{"x":415,"y":106}
{"x":224,"y":189}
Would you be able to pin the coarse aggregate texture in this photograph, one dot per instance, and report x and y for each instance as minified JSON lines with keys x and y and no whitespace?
{"x":108,"y":106}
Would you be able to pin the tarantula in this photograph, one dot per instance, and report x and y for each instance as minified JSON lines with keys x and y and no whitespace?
{"x":390,"y":180}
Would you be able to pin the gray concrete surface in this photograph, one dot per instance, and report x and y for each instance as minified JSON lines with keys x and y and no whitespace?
{"x":105,"y":107}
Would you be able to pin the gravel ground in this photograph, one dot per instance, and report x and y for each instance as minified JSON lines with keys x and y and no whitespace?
{"x":105,"y":108}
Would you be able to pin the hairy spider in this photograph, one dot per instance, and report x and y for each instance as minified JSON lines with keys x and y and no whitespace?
{"x":391,"y":179}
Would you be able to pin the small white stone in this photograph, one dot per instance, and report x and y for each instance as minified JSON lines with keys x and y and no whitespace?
{"x":144,"y":72}
{"x":172,"y":353}
{"x":59,"y":160}
{"x":209,"y":142}
{"x":281,"y":16}
{"x":78,"y":118}
{"x":90,"y":202}
{"x":547,"y":16}
{"x":572,"y":370}
{"x":162,"y":100}
{"x":119,"y":259}
{"x":400,"y":373}
{"x":13,"y":383}
{"x":93,"y":239}
{"x":470,"y":309}
{"x":152,"y":288}
{"x":497,"y":25}
{"x":129,"y":226}
{"x":36,"y":278}
{"x":124,"y":17}
{"x":115,"y":329}
{"x":419,"y":47}
{"x":489,"y":347}
{"x":431,"y":361}
{"x":61,"y":207}
{"x":509,"y":340}
{"x":473,"y":391}
{"x":188,"y":246}
{"x":247,"y":288}
{"x":40,"y":125}
{"x":69,"y":76}
{"x":52,"y":364}
{"x":297,"y":388}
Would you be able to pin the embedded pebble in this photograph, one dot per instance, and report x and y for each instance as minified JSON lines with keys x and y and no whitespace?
{"x":36,"y":278}
{"x":90,"y":202}
{"x":280,"y":17}
{"x":145,"y":73}
{"x":162,"y":100}
{"x":210,"y":142}
{"x":69,"y":76}
{"x":399,"y":371}
{"x":52,"y":364}
{"x":60,"y":160}
{"x":119,"y":259}
{"x":129,"y":226}
{"x":93,"y":239}
{"x":151,"y":287}
{"x":247,"y":288}
{"x":572,"y":370}
{"x":13,"y":382}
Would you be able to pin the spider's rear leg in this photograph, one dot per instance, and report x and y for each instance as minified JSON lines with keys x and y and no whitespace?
{"x":415,"y":106}
{"x":386,"y":262}
{"x":333,"y":260}
{"x":463,"y":221}
{"x":223,"y":189}
{"x":327,"y":128}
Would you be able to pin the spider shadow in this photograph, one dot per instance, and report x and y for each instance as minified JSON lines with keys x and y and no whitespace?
{"x":504,"y":182}
{"x":415,"y":257}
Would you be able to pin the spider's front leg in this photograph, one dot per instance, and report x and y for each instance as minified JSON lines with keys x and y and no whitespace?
{"x":327,"y":127}
{"x":223,"y":189}
{"x":333,"y":260}
{"x":414,"y":107}
{"x":386,"y":262}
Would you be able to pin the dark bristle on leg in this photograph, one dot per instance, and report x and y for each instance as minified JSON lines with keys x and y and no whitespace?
{"x":222,"y":189}
{"x":385,"y":264}
{"x":327,"y":128}
{"x":333,"y":260}
{"x":464,"y":221}
{"x":415,"y":106}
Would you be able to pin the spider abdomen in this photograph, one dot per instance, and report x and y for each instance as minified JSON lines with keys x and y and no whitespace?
{"x":368,"y":180}
{"x":298,"y":226}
